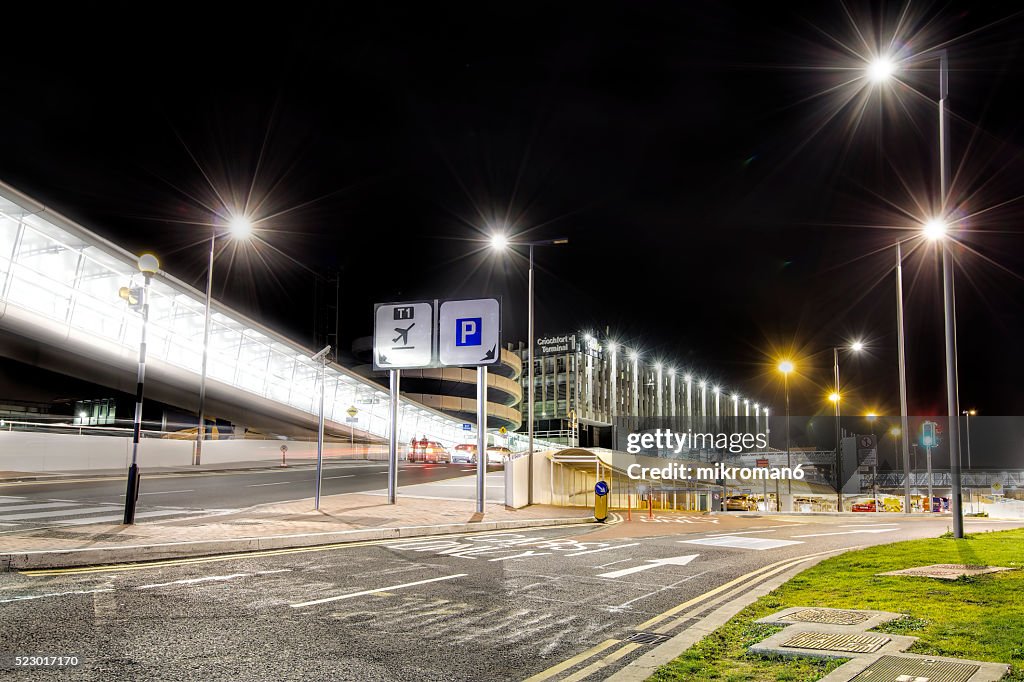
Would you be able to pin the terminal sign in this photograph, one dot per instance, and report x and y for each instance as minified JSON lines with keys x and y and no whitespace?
{"x":403,"y":335}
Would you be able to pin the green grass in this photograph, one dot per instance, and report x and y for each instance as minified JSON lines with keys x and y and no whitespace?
{"x":980,"y":618}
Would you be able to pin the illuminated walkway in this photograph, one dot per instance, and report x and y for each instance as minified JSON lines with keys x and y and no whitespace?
{"x":59,"y":309}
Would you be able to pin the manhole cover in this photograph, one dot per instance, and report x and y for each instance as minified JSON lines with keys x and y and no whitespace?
{"x":898,"y":669}
{"x":946,"y":571}
{"x":647,"y":638}
{"x":829,"y":616}
{"x":830,"y":641}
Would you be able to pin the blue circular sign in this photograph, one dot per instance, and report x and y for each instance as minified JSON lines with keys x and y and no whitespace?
{"x":601,"y":489}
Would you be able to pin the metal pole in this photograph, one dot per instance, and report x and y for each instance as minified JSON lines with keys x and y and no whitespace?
{"x":904,"y":426}
{"x":968,"y":414}
{"x":789,"y":459}
{"x":928,"y":457}
{"x":395,"y":376}
{"x":481,"y":437}
{"x":201,"y":429}
{"x":529,"y":333}
{"x":132,"y":491}
{"x":839,"y":455}
{"x":948,"y":296}
{"x":320,"y":432}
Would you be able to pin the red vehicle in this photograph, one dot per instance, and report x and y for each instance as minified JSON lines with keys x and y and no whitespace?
{"x":430,"y":451}
{"x":866,"y":506}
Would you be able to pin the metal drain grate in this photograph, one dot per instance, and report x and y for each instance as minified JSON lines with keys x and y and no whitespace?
{"x":647,"y":638}
{"x":830,"y":641}
{"x":899,"y":669}
{"x":829,"y":616}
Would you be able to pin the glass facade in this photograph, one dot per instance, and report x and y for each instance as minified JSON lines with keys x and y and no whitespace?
{"x":58,"y":275}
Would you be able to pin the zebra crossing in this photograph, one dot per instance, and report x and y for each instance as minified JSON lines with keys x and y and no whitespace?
{"x":17,"y":512}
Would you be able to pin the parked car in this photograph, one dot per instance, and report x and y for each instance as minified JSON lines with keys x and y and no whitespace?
{"x":740,"y":503}
{"x":497,"y":454}
{"x":465,"y":452}
{"x":864,"y":506}
{"x":431,"y":451}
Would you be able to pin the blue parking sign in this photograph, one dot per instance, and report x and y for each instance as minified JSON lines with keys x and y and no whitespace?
{"x":468,"y":331}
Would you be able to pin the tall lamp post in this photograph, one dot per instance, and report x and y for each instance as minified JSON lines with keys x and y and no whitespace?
{"x":879,"y":71}
{"x":836,"y":398}
{"x":240,"y":228}
{"x":499,"y":242}
{"x":969,"y":414}
{"x":138,"y":299}
{"x":786,"y":366}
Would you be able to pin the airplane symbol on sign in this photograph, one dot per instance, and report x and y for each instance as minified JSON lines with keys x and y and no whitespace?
{"x":403,"y":334}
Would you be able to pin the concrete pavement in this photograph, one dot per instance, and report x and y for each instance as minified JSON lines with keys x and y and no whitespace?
{"x":568,"y":603}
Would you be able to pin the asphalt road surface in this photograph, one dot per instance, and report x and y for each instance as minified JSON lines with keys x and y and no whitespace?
{"x":82,"y":500}
{"x":486,"y":606}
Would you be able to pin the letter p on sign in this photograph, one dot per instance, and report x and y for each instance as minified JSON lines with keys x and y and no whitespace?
{"x":467,"y":331}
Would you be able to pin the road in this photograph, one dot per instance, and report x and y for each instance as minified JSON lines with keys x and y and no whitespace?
{"x":496,"y":606}
{"x":77,"y":501}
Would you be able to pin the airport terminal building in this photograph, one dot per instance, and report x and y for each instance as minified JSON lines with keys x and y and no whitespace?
{"x":585,"y":383}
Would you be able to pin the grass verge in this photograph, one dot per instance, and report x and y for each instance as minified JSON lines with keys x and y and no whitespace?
{"x":980,"y":618}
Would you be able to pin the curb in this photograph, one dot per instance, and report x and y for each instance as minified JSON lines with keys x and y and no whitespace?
{"x":93,"y":556}
{"x":647,"y":665}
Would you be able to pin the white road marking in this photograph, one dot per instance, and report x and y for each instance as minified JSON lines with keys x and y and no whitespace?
{"x":848,"y":532}
{"x":4,"y":498}
{"x":739,"y":532}
{"x":260,"y":485}
{"x":742,"y":542}
{"x":166,"y":492}
{"x":651,"y":563}
{"x":345,"y":476}
{"x":612,"y":563}
{"x":54,"y":594}
{"x":603,"y":549}
{"x":209,"y":578}
{"x":382,"y":589}
{"x":867,"y":525}
{"x":43,"y":505}
{"x":56,"y":513}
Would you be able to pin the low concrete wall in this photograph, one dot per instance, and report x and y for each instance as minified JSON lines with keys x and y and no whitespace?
{"x":26,"y":451}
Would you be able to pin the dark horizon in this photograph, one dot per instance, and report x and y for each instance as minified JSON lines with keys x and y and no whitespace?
{"x":669,"y":144}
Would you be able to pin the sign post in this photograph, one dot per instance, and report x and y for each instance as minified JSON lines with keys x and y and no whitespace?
{"x":762,"y":463}
{"x":929,"y":439}
{"x":321,"y":358}
{"x":469,"y":334}
{"x":403,"y":338}
{"x":601,"y":501}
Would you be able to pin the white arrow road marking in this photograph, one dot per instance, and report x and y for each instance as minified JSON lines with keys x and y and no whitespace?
{"x":848,"y":532}
{"x":382,"y":589}
{"x":651,"y":563}
{"x":742,"y":542}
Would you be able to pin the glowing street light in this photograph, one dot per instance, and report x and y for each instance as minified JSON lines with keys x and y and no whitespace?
{"x":880,"y":69}
{"x":833,"y":397}
{"x":499,"y":242}
{"x":935,"y":229}
{"x":240,"y":228}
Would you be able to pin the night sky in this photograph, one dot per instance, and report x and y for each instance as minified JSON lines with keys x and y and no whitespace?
{"x":724,"y":206}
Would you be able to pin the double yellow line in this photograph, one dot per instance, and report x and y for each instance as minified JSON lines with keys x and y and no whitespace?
{"x":738,"y":585}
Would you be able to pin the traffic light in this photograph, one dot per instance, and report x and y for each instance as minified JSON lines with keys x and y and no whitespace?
{"x":928,"y":435}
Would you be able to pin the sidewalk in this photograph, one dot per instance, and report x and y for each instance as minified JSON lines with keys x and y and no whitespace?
{"x":217,"y":467}
{"x":341,"y":518}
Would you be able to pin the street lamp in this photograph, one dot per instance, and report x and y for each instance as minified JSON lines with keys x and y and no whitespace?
{"x":969,"y":414}
{"x":239,"y":227}
{"x":500,"y":242}
{"x":878,"y":72}
{"x":148,"y":266}
{"x":786,"y":366}
{"x":856,"y":346}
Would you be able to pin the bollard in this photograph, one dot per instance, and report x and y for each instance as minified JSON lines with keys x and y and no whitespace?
{"x":629,"y":507}
{"x":650,"y":506}
{"x":284,"y":451}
